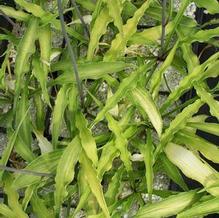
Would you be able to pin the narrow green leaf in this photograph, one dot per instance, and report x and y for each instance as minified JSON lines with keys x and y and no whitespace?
{"x":169,"y":206}
{"x":6,"y":211}
{"x":44,"y":144}
{"x":58,"y":113}
{"x":126,"y":206}
{"x":147,"y":152}
{"x":9,"y":37}
{"x":94,"y":182}
{"x":115,"y":110}
{"x":119,"y":43}
{"x":114,"y":187}
{"x":13,"y":197}
{"x":193,"y":167}
{"x":31,"y":8}
{"x":25,"y":49}
{"x":128,"y":83}
{"x":22,"y":107}
{"x":23,"y":149}
{"x":72,"y":109}
{"x":148,"y":159}
{"x":97,"y":11}
{"x":17,"y":15}
{"x":27,"y":196}
{"x":209,"y":150}
{"x":121,"y":142}
{"x":127,"y":117}
{"x":99,"y":28}
{"x":45,"y":42}
{"x":40,"y":112}
{"x":115,"y":8}
{"x":84,"y":192}
{"x":177,"y":19}
{"x":128,"y":10}
{"x":11,"y":143}
{"x":65,"y":171}
{"x":203,"y":35}
{"x":87,"y":202}
{"x":90,"y":70}
{"x":3,"y":69}
{"x":23,"y":143}
{"x":87,"y":140}
{"x":158,"y":74}
{"x":144,"y":100}
{"x":173,"y":172}
{"x":209,"y":99}
{"x":39,"y":207}
{"x":87,"y":4}
{"x":201,"y":209}
{"x":199,"y":73}
{"x":189,"y":56}
{"x":46,"y":163}
{"x":47,"y":17}
{"x":108,"y":154}
{"x":198,"y":118}
{"x":178,"y":123}
{"x":212,"y":6}
{"x":212,"y":128}
{"x":40,"y":73}
{"x":149,"y":36}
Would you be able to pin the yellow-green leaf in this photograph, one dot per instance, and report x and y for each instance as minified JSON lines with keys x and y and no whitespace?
{"x":87,"y":140}
{"x":65,"y":171}
{"x":94,"y":182}
{"x":39,"y":207}
{"x":115,"y":8}
{"x":144,"y":100}
{"x":45,"y":163}
{"x":209,"y":150}
{"x":58,"y":113}
{"x":178,"y":123}
{"x":209,"y":99}
{"x":121,"y":142}
{"x":212,"y":128}
{"x":99,"y":28}
{"x":25,"y":49}
{"x":212,"y":6}
{"x":201,"y":209}
{"x":119,"y":43}
{"x":193,"y":167}
{"x":13,"y":197}
{"x":90,"y":70}
{"x":169,"y":206}
{"x":127,"y":84}
{"x":158,"y":74}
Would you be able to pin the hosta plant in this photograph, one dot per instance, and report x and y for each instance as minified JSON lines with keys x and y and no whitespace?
{"x":88,"y":124}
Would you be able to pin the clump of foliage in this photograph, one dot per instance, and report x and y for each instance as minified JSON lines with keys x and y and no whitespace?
{"x":87,"y":167}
